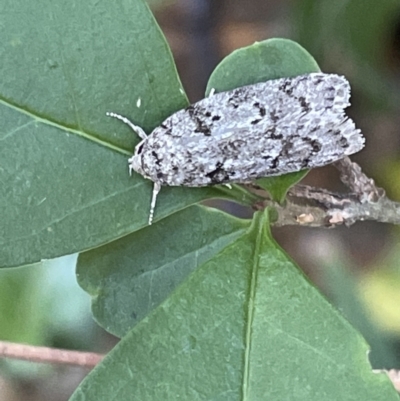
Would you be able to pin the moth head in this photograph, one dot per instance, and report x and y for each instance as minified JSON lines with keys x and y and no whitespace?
{"x":135,"y":162}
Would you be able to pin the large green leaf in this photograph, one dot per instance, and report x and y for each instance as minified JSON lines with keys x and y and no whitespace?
{"x":63,"y":168}
{"x":65,"y":186}
{"x":246,"y":325}
{"x":131,"y":276}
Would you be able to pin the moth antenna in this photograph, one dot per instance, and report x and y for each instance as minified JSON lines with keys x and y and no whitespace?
{"x":133,"y":127}
{"x":156,"y":190}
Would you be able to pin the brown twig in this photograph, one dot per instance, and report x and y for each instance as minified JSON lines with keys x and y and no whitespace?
{"x":49,"y":355}
{"x":314,"y":207}
{"x":359,"y":184}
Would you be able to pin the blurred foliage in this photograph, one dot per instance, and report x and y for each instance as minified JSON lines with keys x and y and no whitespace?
{"x":23,"y":308}
{"x":42,"y":304}
{"x":379,"y":289}
{"x":346,"y":293}
{"x":358,"y":38}
{"x":388,"y":174}
{"x":352,"y":37}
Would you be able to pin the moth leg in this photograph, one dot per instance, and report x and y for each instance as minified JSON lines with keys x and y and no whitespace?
{"x":156,"y":190}
{"x":228,"y":186}
{"x":212,"y":92}
{"x":134,"y":127}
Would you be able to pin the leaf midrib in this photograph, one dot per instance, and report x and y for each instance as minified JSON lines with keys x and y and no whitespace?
{"x":64,"y":128}
{"x":250,"y":311}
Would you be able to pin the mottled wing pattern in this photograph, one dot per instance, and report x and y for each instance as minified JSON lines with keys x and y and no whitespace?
{"x":261,"y":130}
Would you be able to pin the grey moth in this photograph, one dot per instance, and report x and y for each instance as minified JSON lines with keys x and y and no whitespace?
{"x":266,"y":129}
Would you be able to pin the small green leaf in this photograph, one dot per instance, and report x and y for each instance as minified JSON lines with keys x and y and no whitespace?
{"x":246,"y":325}
{"x":260,"y":62}
{"x":131,"y":276}
{"x":263,"y":61}
{"x":278,"y":186}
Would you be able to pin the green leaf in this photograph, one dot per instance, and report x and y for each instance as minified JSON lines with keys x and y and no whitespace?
{"x":63,"y":163}
{"x":263,"y":61}
{"x":131,"y":276}
{"x":246,"y":325}
{"x":279,"y":185}
{"x":260,"y":62}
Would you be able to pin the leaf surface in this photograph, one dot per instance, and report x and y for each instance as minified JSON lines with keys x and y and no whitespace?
{"x":63,"y":164}
{"x":131,"y":276}
{"x":246,"y":325}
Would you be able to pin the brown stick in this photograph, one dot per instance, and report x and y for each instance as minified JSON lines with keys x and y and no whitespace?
{"x":316,"y":207}
{"x":49,"y":355}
